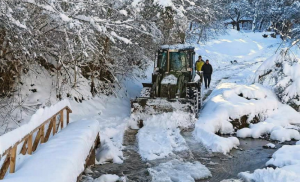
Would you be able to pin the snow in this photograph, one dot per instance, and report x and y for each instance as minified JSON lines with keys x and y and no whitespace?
{"x":125,"y":40}
{"x":170,"y":79}
{"x":160,"y":137}
{"x":285,"y":156}
{"x":290,"y":174}
{"x":227,"y":101}
{"x":177,"y":170}
{"x":281,"y":73}
{"x":123,"y":12}
{"x":270,"y":145}
{"x":107,"y":178}
{"x":277,"y":125}
{"x":58,"y":154}
{"x":287,"y":161}
{"x":9,"y":139}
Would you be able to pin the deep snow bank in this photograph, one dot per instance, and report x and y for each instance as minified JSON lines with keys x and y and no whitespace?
{"x":227,"y":102}
{"x":160,"y":136}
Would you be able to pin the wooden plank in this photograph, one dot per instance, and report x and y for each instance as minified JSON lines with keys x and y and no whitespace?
{"x":13,"y":154}
{"x":36,"y":141}
{"x":42,"y":130}
{"x":48,"y":131}
{"x":29,"y":150}
{"x":61,"y":119}
{"x":24,"y":147}
{"x":54,"y":125}
{"x":5,"y":166}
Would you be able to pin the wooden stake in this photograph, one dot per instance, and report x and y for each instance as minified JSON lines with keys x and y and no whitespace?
{"x":12,"y":164}
{"x":29,"y":150}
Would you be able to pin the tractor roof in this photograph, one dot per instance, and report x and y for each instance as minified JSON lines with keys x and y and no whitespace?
{"x":177,"y":47}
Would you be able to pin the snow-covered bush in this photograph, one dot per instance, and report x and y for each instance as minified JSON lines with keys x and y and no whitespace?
{"x":281,"y":73}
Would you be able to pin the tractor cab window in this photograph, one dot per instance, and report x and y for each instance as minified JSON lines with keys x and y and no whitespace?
{"x":162,"y":61}
{"x":179,"y":61}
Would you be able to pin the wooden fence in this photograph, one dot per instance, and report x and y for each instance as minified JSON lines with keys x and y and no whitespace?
{"x":31,"y":141}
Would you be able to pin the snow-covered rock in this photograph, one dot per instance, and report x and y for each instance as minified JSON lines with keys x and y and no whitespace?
{"x":270,"y":145}
{"x":160,"y":136}
{"x":177,"y":170}
{"x":287,"y":161}
{"x":229,"y":102}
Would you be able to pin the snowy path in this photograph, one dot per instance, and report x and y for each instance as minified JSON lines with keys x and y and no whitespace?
{"x":182,"y":148}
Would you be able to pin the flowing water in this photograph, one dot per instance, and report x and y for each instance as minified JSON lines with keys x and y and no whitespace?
{"x":248,"y":157}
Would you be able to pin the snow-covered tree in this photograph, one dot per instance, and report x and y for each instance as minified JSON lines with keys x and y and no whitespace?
{"x":237,"y":10}
{"x":281,"y":73}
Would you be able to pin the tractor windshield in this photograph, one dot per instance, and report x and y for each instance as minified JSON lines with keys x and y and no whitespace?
{"x":162,"y":61}
{"x":179,"y":61}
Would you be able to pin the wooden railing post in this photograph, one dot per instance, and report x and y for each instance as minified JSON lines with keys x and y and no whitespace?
{"x":24,"y":147}
{"x":5,"y":166}
{"x":61,"y":119}
{"x":36,"y":140}
{"x":29,"y":150}
{"x":42,"y":134}
{"x":68,"y":116}
{"x":48,"y":131}
{"x":12,"y":165}
{"x":54,"y":125}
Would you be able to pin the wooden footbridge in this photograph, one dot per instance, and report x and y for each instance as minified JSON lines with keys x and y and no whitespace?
{"x":44,"y":132}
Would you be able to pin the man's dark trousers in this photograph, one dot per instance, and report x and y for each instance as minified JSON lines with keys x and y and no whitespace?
{"x":207,"y":78}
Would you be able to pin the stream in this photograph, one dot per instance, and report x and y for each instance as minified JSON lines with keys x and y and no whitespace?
{"x":249,"y":156}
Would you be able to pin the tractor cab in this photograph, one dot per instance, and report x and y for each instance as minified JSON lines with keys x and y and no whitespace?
{"x":173,"y":70}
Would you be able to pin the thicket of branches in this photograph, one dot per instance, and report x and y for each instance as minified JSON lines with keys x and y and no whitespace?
{"x":97,"y":42}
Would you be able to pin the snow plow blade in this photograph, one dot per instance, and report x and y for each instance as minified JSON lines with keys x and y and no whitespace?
{"x":142,"y":108}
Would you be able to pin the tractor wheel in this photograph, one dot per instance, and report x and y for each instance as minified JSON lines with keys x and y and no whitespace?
{"x":194,"y":95}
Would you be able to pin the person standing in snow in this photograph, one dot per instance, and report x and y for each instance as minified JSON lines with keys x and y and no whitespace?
{"x":199,"y":63}
{"x":207,"y":71}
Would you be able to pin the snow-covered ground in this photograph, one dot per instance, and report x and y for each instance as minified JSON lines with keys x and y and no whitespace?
{"x":232,"y":96}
